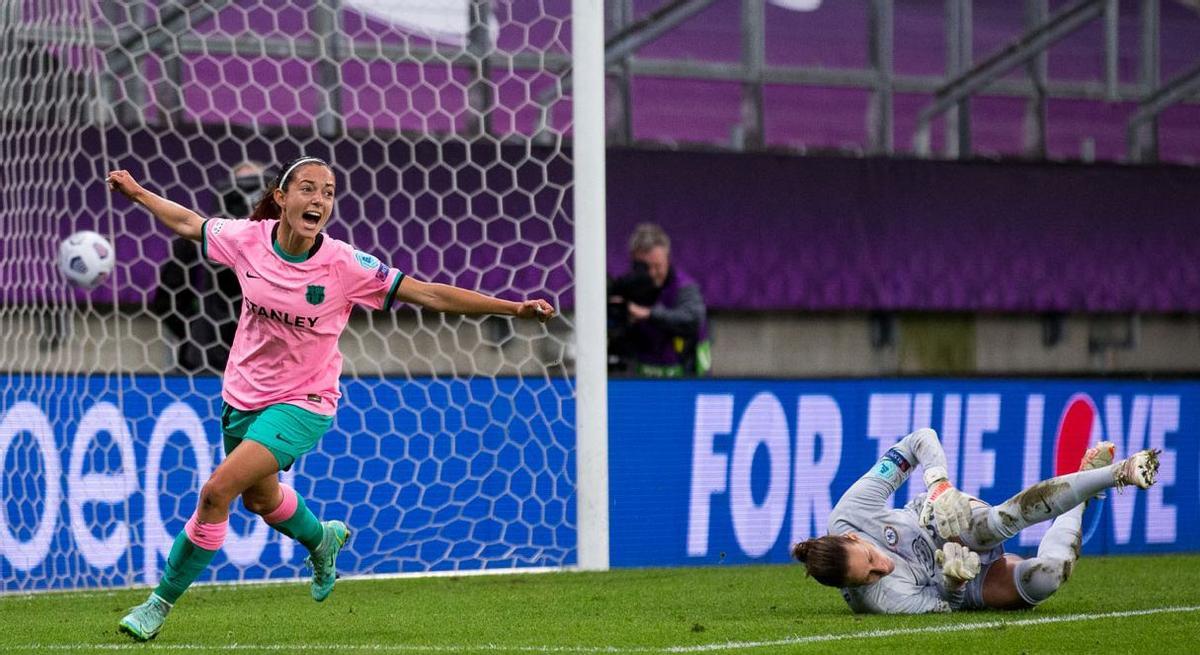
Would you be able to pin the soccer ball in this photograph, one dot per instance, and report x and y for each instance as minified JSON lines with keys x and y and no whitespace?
{"x":86,"y":258}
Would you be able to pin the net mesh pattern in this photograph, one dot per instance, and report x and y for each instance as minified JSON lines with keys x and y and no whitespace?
{"x":444,"y":122}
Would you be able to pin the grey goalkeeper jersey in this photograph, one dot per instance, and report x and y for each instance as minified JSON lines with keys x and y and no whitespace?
{"x":915,"y":586}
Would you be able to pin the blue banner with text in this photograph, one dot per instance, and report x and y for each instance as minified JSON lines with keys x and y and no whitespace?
{"x":101,"y":472}
{"x":712,"y":471}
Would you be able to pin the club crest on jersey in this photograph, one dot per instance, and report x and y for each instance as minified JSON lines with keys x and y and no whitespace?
{"x":890,"y":536}
{"x":366,"y":261}
{"x":315,"y":294}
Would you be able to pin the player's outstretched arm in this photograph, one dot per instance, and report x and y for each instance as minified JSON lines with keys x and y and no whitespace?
{"x":946,"y":507}
{"x":873,"y":489}
{"x":455,"y":300}
{"x":922,"y":447}
{"x":179,"y":219}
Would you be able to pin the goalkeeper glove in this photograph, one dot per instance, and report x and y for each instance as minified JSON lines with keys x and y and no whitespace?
{"x":947,"y":507}
{"x":959,"y":564}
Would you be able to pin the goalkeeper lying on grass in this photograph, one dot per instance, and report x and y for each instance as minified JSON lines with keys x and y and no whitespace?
{"x":893,"y":561}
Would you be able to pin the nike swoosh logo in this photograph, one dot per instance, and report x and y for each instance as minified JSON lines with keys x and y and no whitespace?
{"x":252,"y":276}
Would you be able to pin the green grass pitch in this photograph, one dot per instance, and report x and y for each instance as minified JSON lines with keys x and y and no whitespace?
{"x":1111,"y":605}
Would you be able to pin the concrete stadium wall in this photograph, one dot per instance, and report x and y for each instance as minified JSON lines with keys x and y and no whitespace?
{"x":745,"y":345}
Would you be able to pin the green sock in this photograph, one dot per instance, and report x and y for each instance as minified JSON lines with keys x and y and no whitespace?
{"x":302,"y":526}
{"x":184,"y":565}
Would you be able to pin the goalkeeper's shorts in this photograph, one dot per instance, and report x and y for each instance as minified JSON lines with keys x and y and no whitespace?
{"x":285,"y":430}
{"x":973,"y":592}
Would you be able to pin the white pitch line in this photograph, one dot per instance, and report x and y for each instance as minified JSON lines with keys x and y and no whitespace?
{"x":322,"y":648}
{"x":798,"y":640}
{"x":72,"y":594}
{"x":900,"y":632}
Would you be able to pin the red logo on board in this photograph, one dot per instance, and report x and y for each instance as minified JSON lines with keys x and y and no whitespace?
{"x":1079,"y":423}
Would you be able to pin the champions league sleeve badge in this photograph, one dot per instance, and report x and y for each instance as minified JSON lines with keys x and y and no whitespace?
{"x":366,"y":261}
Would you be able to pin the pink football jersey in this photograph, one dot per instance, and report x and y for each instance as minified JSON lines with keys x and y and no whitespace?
{"x":293,"y":311}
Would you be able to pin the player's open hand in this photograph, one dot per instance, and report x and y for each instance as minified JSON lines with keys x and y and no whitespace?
{"x":122,"y":181}
{"x":959,"y":563}
{"x":539,"y":309}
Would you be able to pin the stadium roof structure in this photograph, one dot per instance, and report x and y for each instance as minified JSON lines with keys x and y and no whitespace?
{"x":1091,"y":80}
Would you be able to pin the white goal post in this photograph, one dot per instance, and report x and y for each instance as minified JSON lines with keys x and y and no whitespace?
{"x":591,"y":400}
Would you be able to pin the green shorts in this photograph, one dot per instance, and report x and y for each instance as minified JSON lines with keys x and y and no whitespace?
{"x":285,"y":430}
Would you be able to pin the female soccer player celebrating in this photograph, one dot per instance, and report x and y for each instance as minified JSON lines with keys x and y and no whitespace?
{"x":280,"y":387}
{"x":888,"y":561}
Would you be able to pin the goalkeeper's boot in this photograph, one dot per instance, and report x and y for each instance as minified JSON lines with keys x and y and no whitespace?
{"x":1098,"y":457}
{"x":1140,"y":470}
{"x":144,"y":621}
{"x":324,"y":560}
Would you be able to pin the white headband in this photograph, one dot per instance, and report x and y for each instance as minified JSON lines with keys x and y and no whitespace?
{"x":300,"y":162}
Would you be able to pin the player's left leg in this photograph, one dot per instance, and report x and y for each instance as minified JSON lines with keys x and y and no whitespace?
{"x":1014,"y":583}
{"x":289,"y":432}
{"x":1055,"y":497}
{"x":285,"y":510}
{"x":1000,"y":585}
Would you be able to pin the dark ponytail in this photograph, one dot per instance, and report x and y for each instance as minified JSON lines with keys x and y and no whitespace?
{"x":824,"y":558}
{"x":266,"y":209}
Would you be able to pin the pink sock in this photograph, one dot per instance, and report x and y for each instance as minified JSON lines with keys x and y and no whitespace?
{"x":286,"y":509}
{"x":208,"y":536}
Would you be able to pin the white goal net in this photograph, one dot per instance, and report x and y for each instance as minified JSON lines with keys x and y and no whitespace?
{"x":453,"y":448}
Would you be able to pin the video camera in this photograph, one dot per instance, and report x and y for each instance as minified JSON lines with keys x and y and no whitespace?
{"x":638,"y":287}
